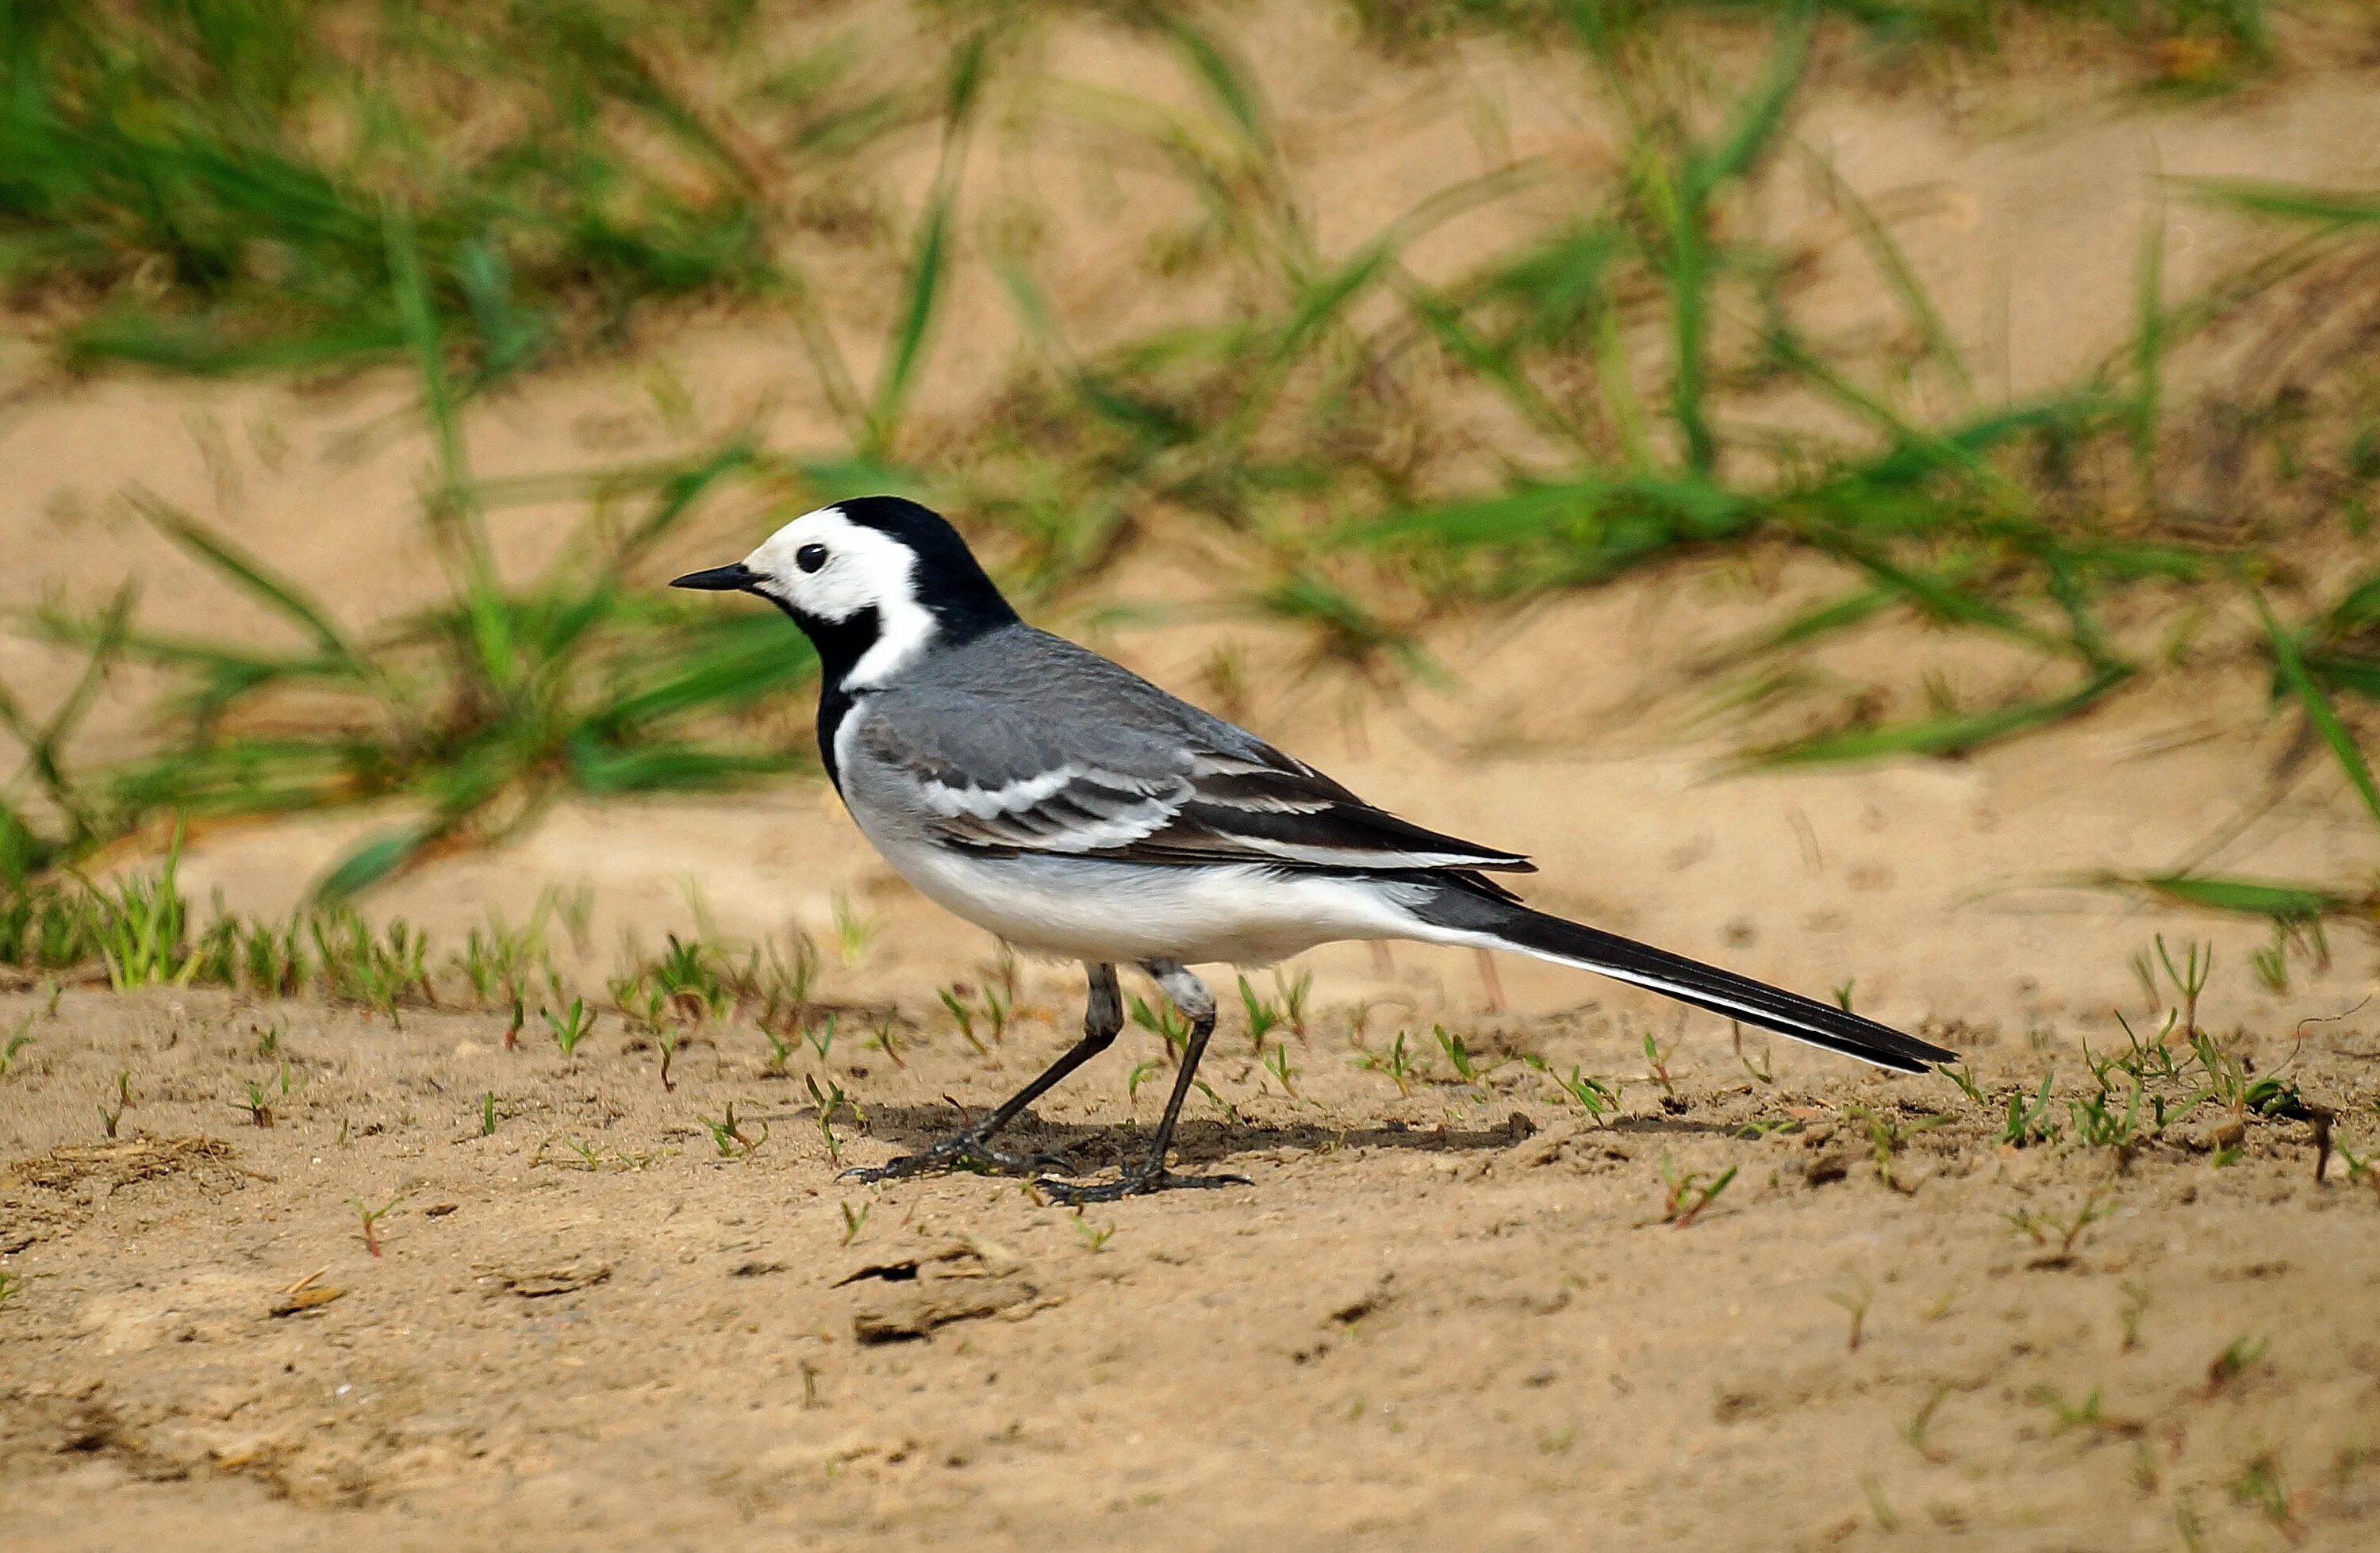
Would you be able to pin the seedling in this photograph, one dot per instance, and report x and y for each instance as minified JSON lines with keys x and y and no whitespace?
{"x":1262,"y":1016}
{"x":2027,"y":1121}
{"x":1855,"y":1301}
{"x":687,"y":978}
{"x":780,"y":987}
{"x":1843,"y":993}
{"x":19,"y":1039}
{"x":780,"y":1051}
{"x":2136,"y":1306}
{"x":964,"y":1017}
{"x":1656,"y":1058}
{"x":2190,"y":979}
{"x":369,"y":1218}
{"x":1459,"y":1057}
{"x":666,"y":1040}
{"x":2045,"y":1232}
{"x":1163,"y":1021}
{"x":853,"y":932}
{"x":109,"y":1120}
{"x":268,"y":1041}
{"x":829,"y":1100}
{"x":1595,"y":1096}
{"x":257,"y":1105}
{"x":1765,"y":1074}
{"x":821,"y":1036}
{"x":728,"y":1136}
{"x":1141,"y":1072}
{"x":1967,"y":1085}
{"x":882,"y":1041}
{"x":1293,"y":995}
{"x":2234,"y":1361}
{"x":488,"y":1114}
{"x":570,"y":1028}
{"x":2271,"y":963}
{"x":1887,"y":1135}
{"x":1396,"y":1062}
{"x":855,"y":1222}
{"x":1916,"y":1430}
{"x":1276,"y":1061}
{"x":2259,"y":1487}
{"x":1886,"y":1518}
{"x":1095,"y":1236}
{"x":1231,"y":1113}
{"x":2088,"y":1413}
{"x":1685,"y":1196}
{"x":588,"y":1156}
{"x":10,"y":1286}
{"x":2098,"y":1125}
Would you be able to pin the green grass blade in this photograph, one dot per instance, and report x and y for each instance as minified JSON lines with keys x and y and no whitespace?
{"x":921,"y":292}
{"x":2319,"y":710}
{"x":1222,"y":78}
{"x":375,"y":860}
{"x":455,"y":512}
{"x":2280,"y":901}
{"x":249,"y":575}
{"x":1753,"y":126}
{"x":1953,"y":735}
{"x":2318,"y":207}
{"x":1892,"y":263}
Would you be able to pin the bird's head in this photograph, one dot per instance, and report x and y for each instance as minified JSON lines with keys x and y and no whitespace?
{"x":876,"y":582}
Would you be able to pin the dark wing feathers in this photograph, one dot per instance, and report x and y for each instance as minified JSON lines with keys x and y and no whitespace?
{"x":1088,"y":759}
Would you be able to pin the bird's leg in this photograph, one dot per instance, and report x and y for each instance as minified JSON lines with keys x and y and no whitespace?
{"x":1190,"y":995}
{"x":1102,"y":1018}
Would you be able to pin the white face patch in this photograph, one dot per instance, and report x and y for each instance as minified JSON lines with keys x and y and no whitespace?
{"x":864,"y":568}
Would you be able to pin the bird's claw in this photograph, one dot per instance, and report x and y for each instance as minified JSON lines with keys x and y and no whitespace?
{"x":1133,"y":1184}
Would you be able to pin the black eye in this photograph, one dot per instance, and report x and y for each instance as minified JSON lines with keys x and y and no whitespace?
{"x":809,"y":558}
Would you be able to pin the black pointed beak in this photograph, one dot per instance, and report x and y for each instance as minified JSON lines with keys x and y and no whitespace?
{"x":737,"y":578}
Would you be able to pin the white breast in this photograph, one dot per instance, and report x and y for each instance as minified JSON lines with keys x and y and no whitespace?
{"x":1085,"y":908}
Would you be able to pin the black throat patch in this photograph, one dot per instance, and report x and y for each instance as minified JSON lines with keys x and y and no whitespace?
{"x":840,"y":644}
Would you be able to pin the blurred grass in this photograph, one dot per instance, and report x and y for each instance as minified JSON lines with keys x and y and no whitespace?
{"x":208,"y":178}
{"x":237,"y":184}
{"x":2194,"y":43}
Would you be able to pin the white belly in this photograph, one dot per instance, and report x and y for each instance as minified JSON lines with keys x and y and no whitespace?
{"x":1094,"y":909}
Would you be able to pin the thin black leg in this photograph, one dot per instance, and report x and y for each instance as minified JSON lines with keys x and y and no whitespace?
{"x":1191,"y":996}
{"x":971,"y":1146}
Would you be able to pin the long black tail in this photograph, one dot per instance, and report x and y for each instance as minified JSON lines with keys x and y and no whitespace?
{"x":1462,"y":916}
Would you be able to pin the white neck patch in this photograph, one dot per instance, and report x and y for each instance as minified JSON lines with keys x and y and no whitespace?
{"x":866,"y":569}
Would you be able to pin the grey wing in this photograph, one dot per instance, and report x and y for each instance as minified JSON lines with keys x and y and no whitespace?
{"x":1104,"y":764}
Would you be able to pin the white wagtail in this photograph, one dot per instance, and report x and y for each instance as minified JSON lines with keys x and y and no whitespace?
{"x":1074,"y":810}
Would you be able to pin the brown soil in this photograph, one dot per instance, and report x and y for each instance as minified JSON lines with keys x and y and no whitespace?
{"x":1455,"y":1318}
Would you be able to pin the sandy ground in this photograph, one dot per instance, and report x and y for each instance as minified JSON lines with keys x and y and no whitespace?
{"x":1455,"y":1318}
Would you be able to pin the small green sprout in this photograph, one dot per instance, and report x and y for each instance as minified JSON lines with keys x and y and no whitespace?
{"x":728,"y":1136}
{"x":570,"y":1028}
{"x":1685,"y":1196}
{"x":369,"y":1218}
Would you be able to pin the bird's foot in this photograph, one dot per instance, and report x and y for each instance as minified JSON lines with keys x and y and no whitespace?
{"x":970,"y":1150}
{"x":1136,"y":1182}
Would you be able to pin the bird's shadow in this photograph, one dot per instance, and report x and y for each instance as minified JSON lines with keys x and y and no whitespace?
{"x":1093,"y":1145}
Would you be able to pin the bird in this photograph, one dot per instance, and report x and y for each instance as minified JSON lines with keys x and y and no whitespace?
{"x":1048,"y":794}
